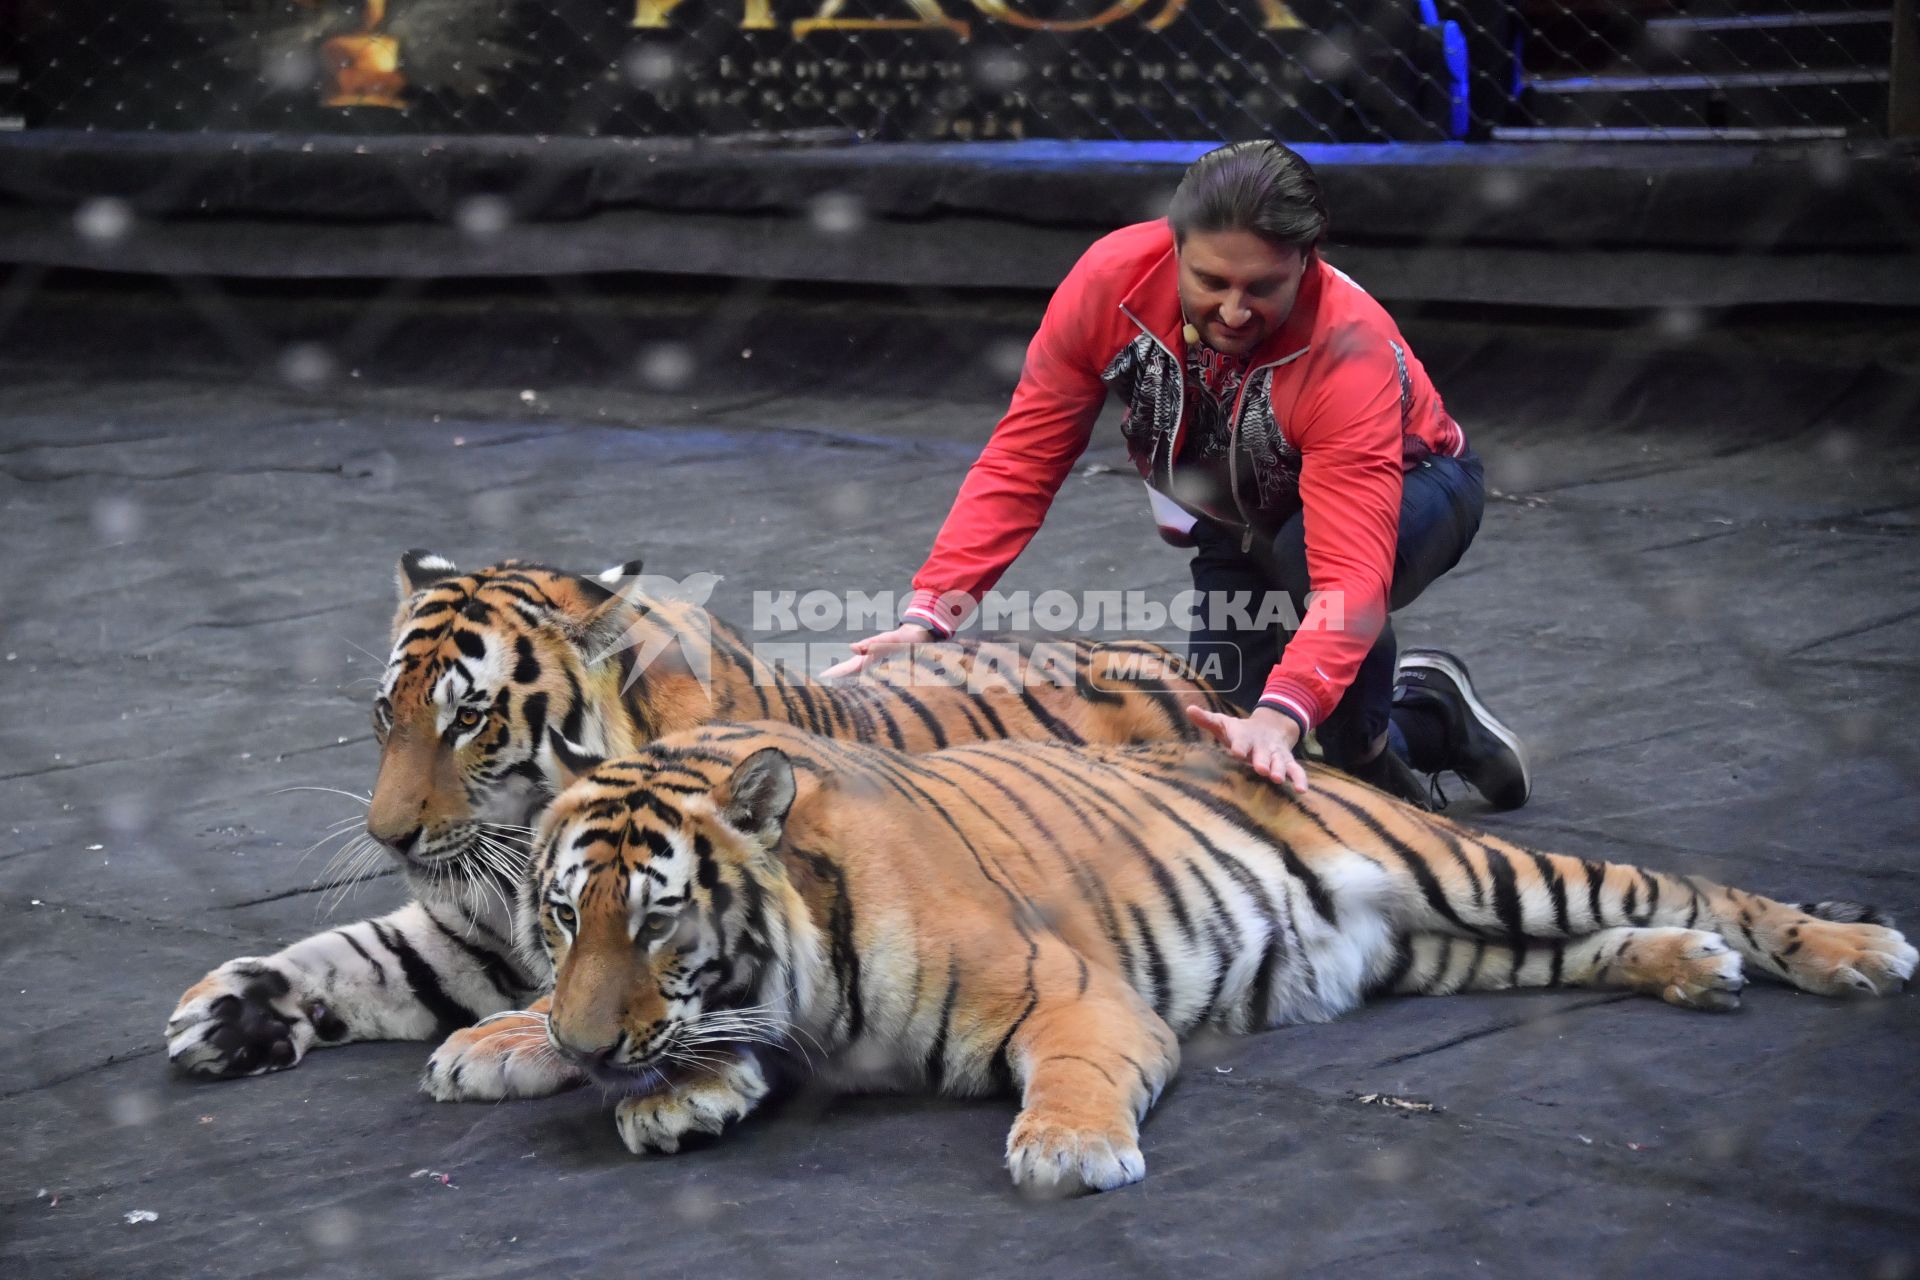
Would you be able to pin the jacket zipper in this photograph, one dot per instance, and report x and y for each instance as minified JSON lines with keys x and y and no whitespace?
{"x":1233,"y":431}
{"x":1233,"y":444}
{"x":1180,"y":406}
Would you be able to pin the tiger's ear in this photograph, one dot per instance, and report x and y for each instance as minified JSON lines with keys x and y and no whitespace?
{"x":757,"y":798}
{"x":611,"y":600}
{"x":572,"y":761}
{"x":421,"y":569}
{"x":615,"y":578}
{"x":606,"y":624}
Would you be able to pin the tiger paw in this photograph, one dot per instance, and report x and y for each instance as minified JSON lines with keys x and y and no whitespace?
{"x":1692,"y":968}
{"x":1050,"y":1159}
{"x":246,"y":1018}
{"x":658,"y":1123}
{"x":1838,"y":959}
{"x":506,"y":1056}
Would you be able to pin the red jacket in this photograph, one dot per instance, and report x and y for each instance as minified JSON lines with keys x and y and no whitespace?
{"x":1335,"y":389}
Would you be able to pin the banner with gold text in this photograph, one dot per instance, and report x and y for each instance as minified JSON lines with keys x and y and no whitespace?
{"x":1304,"y":70}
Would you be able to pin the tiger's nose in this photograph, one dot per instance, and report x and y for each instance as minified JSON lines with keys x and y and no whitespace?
{"x":586,"y":1057}
{"x":399,"y":845}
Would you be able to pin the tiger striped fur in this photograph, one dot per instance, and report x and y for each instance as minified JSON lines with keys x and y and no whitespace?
{"x":1048,"y":919}
{"x":483,"y":666}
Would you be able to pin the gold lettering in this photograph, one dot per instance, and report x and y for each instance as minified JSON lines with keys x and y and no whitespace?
{"x":1002,"y":11}
{"x":1164,"y":19}
{"x":652,"y":14}
{"x":1278,"y":15}
{"x":932,"y":18}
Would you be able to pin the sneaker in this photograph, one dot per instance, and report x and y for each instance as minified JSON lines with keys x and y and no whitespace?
{"x":1484,"y":752}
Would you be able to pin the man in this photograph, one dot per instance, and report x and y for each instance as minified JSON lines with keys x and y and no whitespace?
{"x":1284,"y":430}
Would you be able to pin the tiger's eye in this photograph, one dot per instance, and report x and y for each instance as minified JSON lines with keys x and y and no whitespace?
{"x":566,"y":916}
{"x":467,"y":718}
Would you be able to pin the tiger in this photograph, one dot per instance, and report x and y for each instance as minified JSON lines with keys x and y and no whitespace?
{"x":744,"y":901}
{"x":484,"y":667}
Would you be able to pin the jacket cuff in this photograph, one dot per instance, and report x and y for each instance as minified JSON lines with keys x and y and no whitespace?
{"x":940,"y":614}
{"x":1286,"y":696}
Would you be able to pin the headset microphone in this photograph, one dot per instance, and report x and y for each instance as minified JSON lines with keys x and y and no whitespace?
{"x":1188,"y":334}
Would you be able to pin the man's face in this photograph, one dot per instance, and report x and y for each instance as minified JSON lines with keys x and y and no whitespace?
{"x":1237,"y":288}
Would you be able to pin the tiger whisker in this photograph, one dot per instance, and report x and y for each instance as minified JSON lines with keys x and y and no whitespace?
{"x":777,"y":1045}
{"x":475,"y":889}
{"x":508,"y":857}
{"x":765,"y":1015}
{"x":340,"y":867}
{"x":506,"y":866}
{"x":341,"y":830}
{"x":357,"y":861}
{"x":683,"y":1058}
{"x":351,"y":795}
{"x":376,"y":657}
{"x":759,"y":1025}
{"x":500,"y":862}
{"x":752,"y":1035}
{"x":510,"y":863}
{"x":737,"y":1029}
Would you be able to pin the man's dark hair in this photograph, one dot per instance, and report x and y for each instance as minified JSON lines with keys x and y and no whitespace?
{"x":1257,"y":186}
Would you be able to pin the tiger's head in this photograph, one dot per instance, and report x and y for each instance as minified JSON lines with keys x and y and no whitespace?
{"x":483,"y":666}
{"x":657,"y":896}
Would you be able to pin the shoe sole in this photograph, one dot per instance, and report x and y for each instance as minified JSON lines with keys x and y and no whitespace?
{"x":1456,"y":670}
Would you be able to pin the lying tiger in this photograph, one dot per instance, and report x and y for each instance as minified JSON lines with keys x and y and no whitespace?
{"x":483,"y":665}
{"x":1051,"y":919}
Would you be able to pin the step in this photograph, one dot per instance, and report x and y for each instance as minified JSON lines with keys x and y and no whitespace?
{"x":1831,"y":40}
{"x":1855,"y":99}
{"x":1770,"y":8}
{"x":1793,"y":133}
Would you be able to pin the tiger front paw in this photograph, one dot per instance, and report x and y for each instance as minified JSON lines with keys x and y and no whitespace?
{"x":658,"y":1123}
{"x":1693,"y":968}
{"x":1051,"y":1158}
{"x":245,"y":1018}
{"x":1839,"y":959}
{"x":505,"y":1056}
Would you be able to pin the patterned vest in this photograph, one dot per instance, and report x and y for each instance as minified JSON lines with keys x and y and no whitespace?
{"x":1198,"y":451}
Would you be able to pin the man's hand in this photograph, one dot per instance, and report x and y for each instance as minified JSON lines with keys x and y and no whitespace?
{"x":1265,"y":740}
{"x":907,"y":633}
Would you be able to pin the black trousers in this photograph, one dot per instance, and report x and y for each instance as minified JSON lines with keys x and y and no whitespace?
{"x":1440,"y":508}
